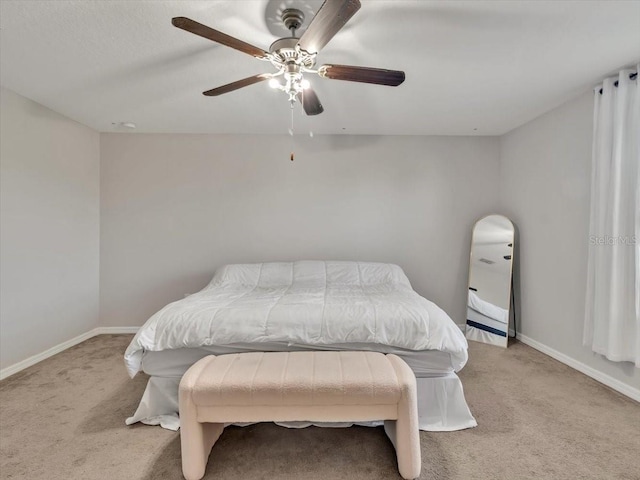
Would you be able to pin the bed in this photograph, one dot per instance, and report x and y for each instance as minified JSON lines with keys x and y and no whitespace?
{"x":305,"y":305}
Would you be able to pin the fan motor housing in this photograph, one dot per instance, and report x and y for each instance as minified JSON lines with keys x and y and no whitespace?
{"x":285,"y":51}
{"x":286,"y":43}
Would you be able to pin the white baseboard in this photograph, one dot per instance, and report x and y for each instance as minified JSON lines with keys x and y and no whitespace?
{"x":27,"y":362}
{"x":609,"y":381}
{"x":116,"y":330}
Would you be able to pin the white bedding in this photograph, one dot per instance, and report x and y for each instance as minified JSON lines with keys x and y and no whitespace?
{"x":304,"y":303}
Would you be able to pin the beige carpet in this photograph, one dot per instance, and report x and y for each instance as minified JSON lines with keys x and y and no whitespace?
{"x":64,"y":419}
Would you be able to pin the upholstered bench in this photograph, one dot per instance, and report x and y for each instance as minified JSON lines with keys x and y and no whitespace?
{"x":297,"y":386}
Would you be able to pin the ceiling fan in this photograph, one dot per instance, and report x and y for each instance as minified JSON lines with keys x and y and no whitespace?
{"x":293,"y":56}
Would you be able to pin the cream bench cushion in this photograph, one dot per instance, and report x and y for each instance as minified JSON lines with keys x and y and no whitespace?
{"x":297,"y":386}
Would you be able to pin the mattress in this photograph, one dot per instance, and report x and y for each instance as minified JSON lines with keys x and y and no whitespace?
{"x":174,"y":363}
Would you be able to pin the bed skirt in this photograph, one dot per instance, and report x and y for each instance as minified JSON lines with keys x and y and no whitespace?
{"x":441,"y":405}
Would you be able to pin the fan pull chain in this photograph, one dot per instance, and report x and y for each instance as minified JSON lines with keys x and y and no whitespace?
{"x":291,"y":133}
{"x":291,"y":129}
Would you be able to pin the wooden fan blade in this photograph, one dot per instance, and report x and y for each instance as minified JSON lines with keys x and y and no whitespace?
{"x":379,"y":76}
{"x":328,"y":21}
{"x":230,"y":87}
{"x":210,"y":34}
{"x":310,"y":102}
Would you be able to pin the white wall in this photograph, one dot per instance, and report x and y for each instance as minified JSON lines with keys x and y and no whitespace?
{"x":176,"y":207}
{"x":49,"y":228}
{"x":545,"y":183}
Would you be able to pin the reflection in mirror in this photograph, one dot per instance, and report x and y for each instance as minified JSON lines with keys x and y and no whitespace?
{"x":490,"y":280}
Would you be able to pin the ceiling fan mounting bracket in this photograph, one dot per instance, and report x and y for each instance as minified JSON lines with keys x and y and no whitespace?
{"x":292,"y":19}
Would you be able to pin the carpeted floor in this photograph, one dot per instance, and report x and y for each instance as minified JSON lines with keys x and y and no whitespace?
{"x":538,"y":419}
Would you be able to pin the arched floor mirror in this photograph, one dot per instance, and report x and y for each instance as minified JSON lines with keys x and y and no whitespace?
{"x":490,"y":280}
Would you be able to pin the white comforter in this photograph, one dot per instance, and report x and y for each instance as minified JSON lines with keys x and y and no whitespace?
{"x":303,"y":303}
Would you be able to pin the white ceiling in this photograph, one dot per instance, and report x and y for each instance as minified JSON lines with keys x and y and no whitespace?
{"x":472,"y":67}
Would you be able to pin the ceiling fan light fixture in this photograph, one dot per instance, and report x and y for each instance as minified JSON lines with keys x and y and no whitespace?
{"x":304,"y":83}
{"x":273,"y":83}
